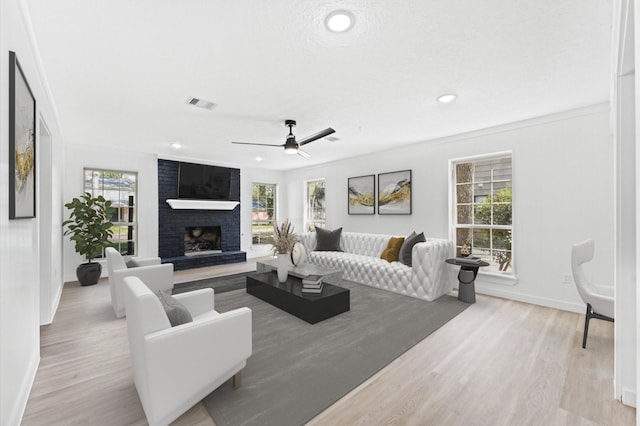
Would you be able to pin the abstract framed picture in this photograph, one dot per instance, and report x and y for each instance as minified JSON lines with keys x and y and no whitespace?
{"x":22,"y":144}
{"x":361,"y":194}
{"x":394,"y":192}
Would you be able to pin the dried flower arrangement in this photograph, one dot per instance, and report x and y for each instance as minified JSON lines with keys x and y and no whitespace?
{"x":283,"y":237}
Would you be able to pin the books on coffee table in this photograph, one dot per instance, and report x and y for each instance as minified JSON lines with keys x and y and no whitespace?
{"x":312,"y":290}
{"x":312,"y":281}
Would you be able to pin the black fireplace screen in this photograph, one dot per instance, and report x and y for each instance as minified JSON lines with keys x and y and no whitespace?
{"x":201,"y":240}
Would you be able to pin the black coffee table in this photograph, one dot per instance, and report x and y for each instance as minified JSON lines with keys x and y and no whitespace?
{"x":288,"y":296}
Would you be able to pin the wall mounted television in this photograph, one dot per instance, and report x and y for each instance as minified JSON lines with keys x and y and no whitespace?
{"x":203,"y":182}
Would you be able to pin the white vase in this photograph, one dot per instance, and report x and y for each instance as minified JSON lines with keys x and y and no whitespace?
{"x":284,"y":265}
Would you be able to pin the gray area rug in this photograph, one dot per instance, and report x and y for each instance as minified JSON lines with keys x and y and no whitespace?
{"x":298,"y":369}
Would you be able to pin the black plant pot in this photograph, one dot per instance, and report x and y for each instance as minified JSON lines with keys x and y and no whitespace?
{"x":89,"y":273}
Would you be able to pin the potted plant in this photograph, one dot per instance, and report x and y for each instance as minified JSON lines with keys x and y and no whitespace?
{"x":89,"y":225}
{"x":283,"y":241}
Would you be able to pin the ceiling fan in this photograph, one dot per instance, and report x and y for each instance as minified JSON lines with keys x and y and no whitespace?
{"x":290,"y":145}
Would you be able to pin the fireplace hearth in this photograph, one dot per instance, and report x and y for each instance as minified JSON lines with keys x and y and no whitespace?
{"x":200,"y":240}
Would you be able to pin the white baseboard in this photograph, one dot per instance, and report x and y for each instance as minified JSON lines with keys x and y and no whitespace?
{"x":22,"y":395}
{"x":629,"y":397}
{"x":535,"y":300}
{"x":54,"y":307}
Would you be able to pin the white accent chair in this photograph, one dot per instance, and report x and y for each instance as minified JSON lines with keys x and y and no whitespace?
{"x":176,"y":367}
{"x":599,"y":300}
{"x":156,"y":275}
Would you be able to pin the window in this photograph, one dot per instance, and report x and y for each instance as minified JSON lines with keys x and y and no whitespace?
{"x":263,"y":212}
{"x":482,"y":211}
{"x":121,"y":189}
{"x":316,"y":215}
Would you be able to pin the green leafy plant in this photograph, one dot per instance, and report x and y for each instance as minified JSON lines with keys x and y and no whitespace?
{"x":283,"y":238}
{"x":89,"y":224}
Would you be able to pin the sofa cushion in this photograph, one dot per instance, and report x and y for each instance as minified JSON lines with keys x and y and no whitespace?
{"x":176,"y":311}
{"x":328,"y":240}
{"x":390,"y":254}
{"x":405,"y":251}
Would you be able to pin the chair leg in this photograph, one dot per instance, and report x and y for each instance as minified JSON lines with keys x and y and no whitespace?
{"x":586,"y":326}
{"x":237,"y":379}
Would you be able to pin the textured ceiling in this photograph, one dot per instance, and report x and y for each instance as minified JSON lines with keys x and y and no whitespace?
{"x":121,"y":70}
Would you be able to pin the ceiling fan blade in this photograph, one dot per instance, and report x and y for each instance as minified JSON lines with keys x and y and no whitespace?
{"x":302,"y":153}
{"x":322,"y":134}
{"x":259,"y":144}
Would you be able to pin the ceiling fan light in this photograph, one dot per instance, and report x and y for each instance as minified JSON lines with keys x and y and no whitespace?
{"x":291,"y":150}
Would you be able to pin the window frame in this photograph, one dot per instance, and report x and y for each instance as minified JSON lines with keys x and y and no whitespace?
{"x":274,"y":215}
{"x":133,"y":225}
{"x":307,"y":213}
{"x":494,"y":277}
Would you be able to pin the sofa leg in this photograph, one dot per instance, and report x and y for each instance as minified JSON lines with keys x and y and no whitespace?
{"x":237,"y":379}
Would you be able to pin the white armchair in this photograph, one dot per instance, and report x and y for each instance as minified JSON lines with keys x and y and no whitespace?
{"x":175,"y":367}
{"x":157,"y":276}
{"x":600,"y":301}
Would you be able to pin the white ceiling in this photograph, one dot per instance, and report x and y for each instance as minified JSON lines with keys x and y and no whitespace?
{"x":121,"y":70}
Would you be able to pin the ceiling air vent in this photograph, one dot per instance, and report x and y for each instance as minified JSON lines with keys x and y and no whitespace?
{"x":200,"y":103}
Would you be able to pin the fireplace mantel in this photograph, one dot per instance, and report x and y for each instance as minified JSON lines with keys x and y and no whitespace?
{"x":183,"y":204}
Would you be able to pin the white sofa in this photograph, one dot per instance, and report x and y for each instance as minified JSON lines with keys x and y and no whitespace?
{"x":175,"y":367}
{"x":428,"y":278}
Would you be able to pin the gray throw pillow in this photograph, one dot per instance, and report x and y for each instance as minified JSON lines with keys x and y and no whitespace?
{"x":405,"y":251}
{"x":176,"y":311}
{"x":328,"y":240}
{"x":132,"y":263}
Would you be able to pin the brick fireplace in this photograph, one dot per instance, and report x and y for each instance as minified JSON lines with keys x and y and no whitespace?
{"x":218,"y":231}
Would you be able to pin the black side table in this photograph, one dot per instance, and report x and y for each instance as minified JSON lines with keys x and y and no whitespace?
{"x":467,"y":278}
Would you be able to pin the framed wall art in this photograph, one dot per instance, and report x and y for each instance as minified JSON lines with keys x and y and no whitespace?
{"x":394,"y":192}
{"x":361,"y":194}
{"x":22,"y":144}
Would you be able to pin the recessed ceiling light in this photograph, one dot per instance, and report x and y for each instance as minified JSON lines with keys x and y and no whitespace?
{"x":176,"y":145}
{"x":339,"y":21}
{"x":445,"y":99}
{"x":258,"y":159}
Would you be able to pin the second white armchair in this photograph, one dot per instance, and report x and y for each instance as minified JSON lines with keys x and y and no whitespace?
{"x":174,"y":367}
{"x":155,"y":275}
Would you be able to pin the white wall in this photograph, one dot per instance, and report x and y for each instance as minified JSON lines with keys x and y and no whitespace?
{"x":562,"y":180}
{"x":19,"y":239}
{"x":77,"y":158}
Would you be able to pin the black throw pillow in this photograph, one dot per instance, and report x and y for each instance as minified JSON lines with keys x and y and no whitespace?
{"x":405,"y":251}
{"x":328,"y":240}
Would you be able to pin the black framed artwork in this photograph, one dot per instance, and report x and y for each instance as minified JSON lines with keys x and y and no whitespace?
{"x":22,"y":144}
{"x":361,"y":194}
{"x":394,"y":192}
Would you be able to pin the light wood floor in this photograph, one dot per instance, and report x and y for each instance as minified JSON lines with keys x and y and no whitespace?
{"x":498,"y":363}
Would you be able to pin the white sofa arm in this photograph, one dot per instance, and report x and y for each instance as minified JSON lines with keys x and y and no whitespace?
{"x":197,"y":301}
{"x":156,"y":277}
{"x":182,"y":359}
{"x":147,"y":261}
{"x":430,"y":272}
